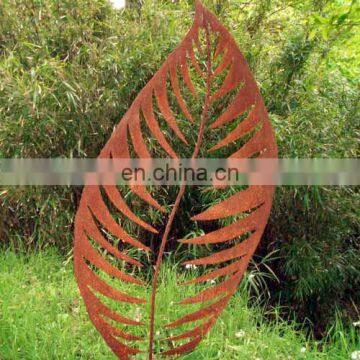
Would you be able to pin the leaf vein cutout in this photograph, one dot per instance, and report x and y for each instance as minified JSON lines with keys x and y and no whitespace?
{"x":110,"y":247}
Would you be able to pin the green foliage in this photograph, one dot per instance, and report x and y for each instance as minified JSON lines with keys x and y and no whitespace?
{"x":70,"y":69}
{"x":318,"y":262}
{"x":43,"y":317}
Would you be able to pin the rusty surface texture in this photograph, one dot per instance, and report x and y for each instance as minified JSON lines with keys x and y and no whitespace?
{"x":98,"y":232}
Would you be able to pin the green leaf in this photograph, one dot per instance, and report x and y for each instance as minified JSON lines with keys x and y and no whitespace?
{"x":312,"y":34}
{"x":342,"y":18}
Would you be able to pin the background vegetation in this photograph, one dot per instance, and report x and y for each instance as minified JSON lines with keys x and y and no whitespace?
{"x":70,"y":69}
{"x":63,"y":330}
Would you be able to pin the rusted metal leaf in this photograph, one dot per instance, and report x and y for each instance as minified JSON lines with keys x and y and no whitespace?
{"x":94,"y":220}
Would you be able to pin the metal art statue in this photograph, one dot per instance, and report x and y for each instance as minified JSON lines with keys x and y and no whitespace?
{"x":95,"y":223}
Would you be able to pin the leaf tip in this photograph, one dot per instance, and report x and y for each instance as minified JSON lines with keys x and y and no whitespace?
{"x":194,"y":218}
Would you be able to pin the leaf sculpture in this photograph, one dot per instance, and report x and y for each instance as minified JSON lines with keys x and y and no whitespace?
{"x":154,"y":121}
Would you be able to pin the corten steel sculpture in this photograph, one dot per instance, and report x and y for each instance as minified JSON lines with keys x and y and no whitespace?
{"x":249,"y":209}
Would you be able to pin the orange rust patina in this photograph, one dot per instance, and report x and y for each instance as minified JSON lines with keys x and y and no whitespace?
{"x":94,"y":219}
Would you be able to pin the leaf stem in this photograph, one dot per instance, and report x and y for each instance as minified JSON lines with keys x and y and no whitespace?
{"x":204,"y":119}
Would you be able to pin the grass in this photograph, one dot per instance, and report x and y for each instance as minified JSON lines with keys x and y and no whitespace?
{"x":42,"y":316}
